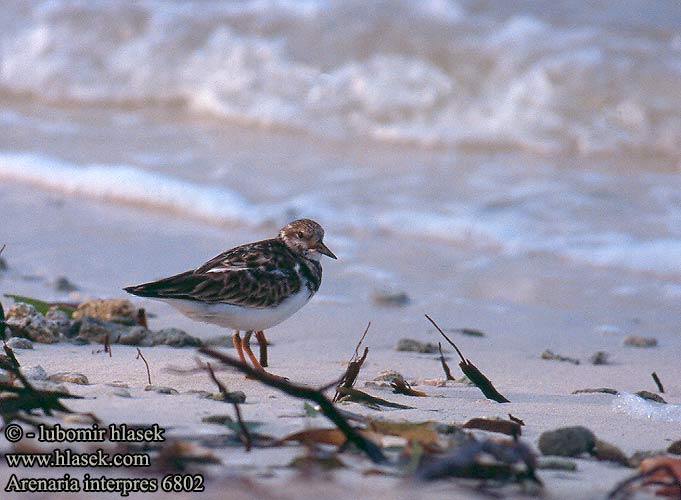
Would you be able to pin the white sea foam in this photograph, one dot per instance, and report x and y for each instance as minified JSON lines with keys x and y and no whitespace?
{"x":637,"y":407}
{"x":524,"y":217}
{"x":428,"y":72}
{"x":130,"y":185}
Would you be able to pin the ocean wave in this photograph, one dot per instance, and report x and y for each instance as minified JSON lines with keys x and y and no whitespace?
{"x":534,"y":216}
{"x":431,"y":73}
{"x":129,"y":185}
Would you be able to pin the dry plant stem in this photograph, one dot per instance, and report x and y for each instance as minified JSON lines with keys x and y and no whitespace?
{"x":107,"y":345}
{"x":244,"y":434}
{"x":658,"y":382}
{"x":141,"y":356}
{"x":621,"y":487}
{"x":472,"y":372}
{"x":262,"y":343}
{"x":302,"y":392}
{"x":445,"y":366}
{"x":3,"y":248}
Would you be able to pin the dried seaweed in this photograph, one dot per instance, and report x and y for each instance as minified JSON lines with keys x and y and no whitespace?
{"x":244,"y":435}
{"x":658,"y":382}
{"x":354,"y":366}
{"x":400,"y":386}
{"x":302,"y":392}
{"x":445,"y":366}
{"x":508,"y":427}
{"x":472,"y":372}
{"x":3,"y":324}
{"x":350,"y":394}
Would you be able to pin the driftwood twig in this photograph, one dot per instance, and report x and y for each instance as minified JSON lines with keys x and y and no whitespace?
{"x":299,"y":391}
{"x":141,"y":356}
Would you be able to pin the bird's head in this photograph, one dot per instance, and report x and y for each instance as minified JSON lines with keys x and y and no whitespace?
{"x":305,"y":237}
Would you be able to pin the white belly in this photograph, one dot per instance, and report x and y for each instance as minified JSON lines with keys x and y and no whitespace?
{"x":239,"y":317}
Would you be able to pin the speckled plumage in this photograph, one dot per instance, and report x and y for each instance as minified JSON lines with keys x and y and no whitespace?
{"x":255,"y":276}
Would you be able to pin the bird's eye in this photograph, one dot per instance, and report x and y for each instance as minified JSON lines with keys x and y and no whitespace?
{"x":299,"y":235}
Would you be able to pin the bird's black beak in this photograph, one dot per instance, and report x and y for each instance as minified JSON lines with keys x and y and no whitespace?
{"x":322,"y":248}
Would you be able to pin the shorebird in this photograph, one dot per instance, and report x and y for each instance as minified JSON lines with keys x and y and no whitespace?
{"x":251,"y":287}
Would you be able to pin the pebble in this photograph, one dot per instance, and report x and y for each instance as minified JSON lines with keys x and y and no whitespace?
{"x":25,"y":321}
{"x":36,"y":372}
{"x":117,"y":310}
{"x":567,"y":441}
{"x":411,"y":345}
{"x":650,"y":396}
{"x":173,"y":337}
{"x":675,"y":448}
{"x":235,"y":396}
{"x":58,"y":321}
{"x":160,"y":389}
{"x":120,"y":392}
{"x":599,"y":358}
{"x":70,"y":377}
{"x":62,"y":284}
{"x":556,"y":463}
{"x":217,"y":419}
{"x":389,"y":376}
{"x":638,"y":341}
{"x":20,"y":343}
{"x":390,"y":298}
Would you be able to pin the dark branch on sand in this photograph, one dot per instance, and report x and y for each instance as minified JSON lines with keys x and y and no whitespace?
{"x":244,"y":435}
{"x":658,"y":382}
{"x":302,"y":392}
{"x":471,"y":371}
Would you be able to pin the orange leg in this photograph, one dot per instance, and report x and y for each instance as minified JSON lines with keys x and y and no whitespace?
{"x":236,"y":340}
{"x":262,"y":342}
{"x":246,"y":346}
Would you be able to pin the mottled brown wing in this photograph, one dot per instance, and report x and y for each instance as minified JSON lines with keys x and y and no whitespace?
{"x":256,"y":275}
{"x":249,"y":256}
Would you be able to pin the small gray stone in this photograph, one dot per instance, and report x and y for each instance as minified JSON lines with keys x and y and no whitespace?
{"x":638,"y":341}
{"x":234,"y":396}
{"x":58,"y":321}
{"x":390,"y":298}
{"x":411,"y":345}
{"x":20,"y":343}
{"x":217,"y":419}
{"x":48,"y":385}
{"x":650,"y":396}
{"x":36,"y":372}
{"x":599,"y":358}
{"x":62,"y":284}
{"x":70,"y":377}
{"x":95,"y":330}
{"x":556,"y":463}
{"x":120,"y":392}
{"x":134,"y":335}
{"x":174,"y":337}
{"x":161,"y":389}
{"x":25,"y":321}
{"x":567,"y":441}
{"x":389,"y":376}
